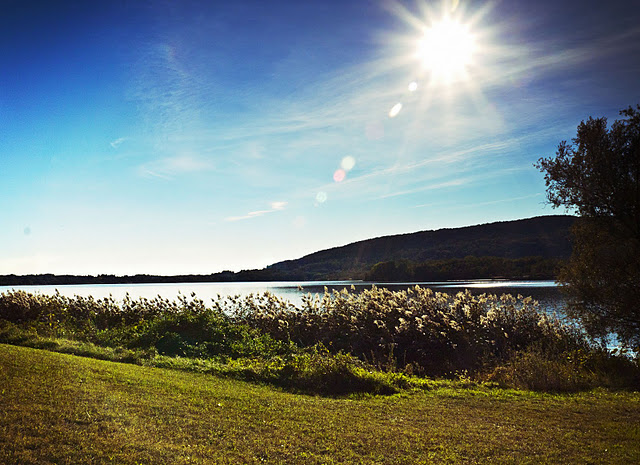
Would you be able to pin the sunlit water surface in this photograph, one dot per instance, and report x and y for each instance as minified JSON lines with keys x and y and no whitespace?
{"x":545,"y":292}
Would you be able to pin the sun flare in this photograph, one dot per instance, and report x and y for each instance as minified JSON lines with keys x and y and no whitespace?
{"x":446,"y":49}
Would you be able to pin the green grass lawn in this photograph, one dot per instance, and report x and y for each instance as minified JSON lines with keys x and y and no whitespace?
{"x":57,"y":408}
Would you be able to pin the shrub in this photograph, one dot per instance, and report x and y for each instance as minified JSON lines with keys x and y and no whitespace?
{"x":432,"y":332}
{"x":204,"y":333}
{"x":318,"y":371}
{"x":536,"y":371}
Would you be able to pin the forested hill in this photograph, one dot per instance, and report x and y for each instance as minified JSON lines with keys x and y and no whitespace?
{"x":546,"y":237}
{"x":530,"y":248}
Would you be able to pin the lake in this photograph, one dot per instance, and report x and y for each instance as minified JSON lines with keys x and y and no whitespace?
{"x":545,"y":292}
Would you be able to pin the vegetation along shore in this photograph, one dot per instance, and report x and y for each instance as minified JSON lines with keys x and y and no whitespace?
{"x":377,"y":377}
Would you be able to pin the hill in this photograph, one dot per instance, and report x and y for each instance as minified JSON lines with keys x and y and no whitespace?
{"x":545,"y":237}
{"x":529,"y":248}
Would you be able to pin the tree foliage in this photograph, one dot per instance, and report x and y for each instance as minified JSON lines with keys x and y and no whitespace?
{"x":598,"y":176}
{"x":464,"y":268}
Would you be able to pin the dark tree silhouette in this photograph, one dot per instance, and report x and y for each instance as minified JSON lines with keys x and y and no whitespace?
{"x":598,"y":175}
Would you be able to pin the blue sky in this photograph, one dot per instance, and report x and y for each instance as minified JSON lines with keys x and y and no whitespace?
{"x":170,"y":137}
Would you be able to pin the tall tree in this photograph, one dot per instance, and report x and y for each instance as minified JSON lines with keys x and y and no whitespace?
{"x":597,"y":175}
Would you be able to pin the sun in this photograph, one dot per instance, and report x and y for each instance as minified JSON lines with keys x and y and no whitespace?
{"x":446,"y":49}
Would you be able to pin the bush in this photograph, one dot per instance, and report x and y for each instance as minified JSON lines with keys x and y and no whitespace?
{"x":434,"y":333}
{"x":536,"y":371}
{"x":204,"y":333}
{"x":318,"y":371}
{"x":572,"y":371}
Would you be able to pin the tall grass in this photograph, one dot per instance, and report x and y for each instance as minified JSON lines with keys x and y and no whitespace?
{"x":430,"y":332}
{"x":335,"y":340}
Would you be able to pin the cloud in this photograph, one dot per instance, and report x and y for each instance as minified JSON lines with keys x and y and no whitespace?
{"x":116,"y":143}
{"x":168,"y":167}
{"x":275,"y":206}
{"x":457,"y":181}
{"x":284,"y":139}
{"x":545,"y":58}
{"x":436,"y":186}
{"x":441,"y":169}
{"x":478,"y":204}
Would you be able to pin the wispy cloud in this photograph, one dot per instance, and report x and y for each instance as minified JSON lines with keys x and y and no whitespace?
{"x":442,"y":169}
{"x":429,"y":187}
{"x":455,"y":182}
{"x":479,"y":204}
{"x":331,"y":113}
{"x":169,"y":167}
{"x":169,"y":96}
{"x":275,"y":206}
{"x":510,"y":63}
{"x":116,"y":143}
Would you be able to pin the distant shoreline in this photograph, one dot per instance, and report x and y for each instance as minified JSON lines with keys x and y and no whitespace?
{"x":52,"y":279}
{"x":528,"y":249}
{"x":70,"y":280}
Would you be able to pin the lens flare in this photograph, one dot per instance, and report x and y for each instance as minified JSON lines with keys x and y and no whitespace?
{"x":348,"y":163}
{"x":321,"y":197}
{"x":339,"y":175}
{"x":395,"y":110}
{"x":413,"y":86}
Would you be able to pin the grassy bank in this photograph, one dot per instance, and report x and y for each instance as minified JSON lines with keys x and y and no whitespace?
{"x":337,"y":344}
{"x":57,"y":408}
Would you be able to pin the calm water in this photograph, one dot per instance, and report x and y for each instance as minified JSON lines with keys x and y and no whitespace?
{"x":546,"y":292}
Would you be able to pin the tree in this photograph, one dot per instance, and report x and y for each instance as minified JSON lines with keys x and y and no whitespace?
{"x":598,"y":176}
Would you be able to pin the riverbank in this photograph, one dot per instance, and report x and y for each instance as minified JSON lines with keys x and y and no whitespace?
{"x":375,"y":341}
